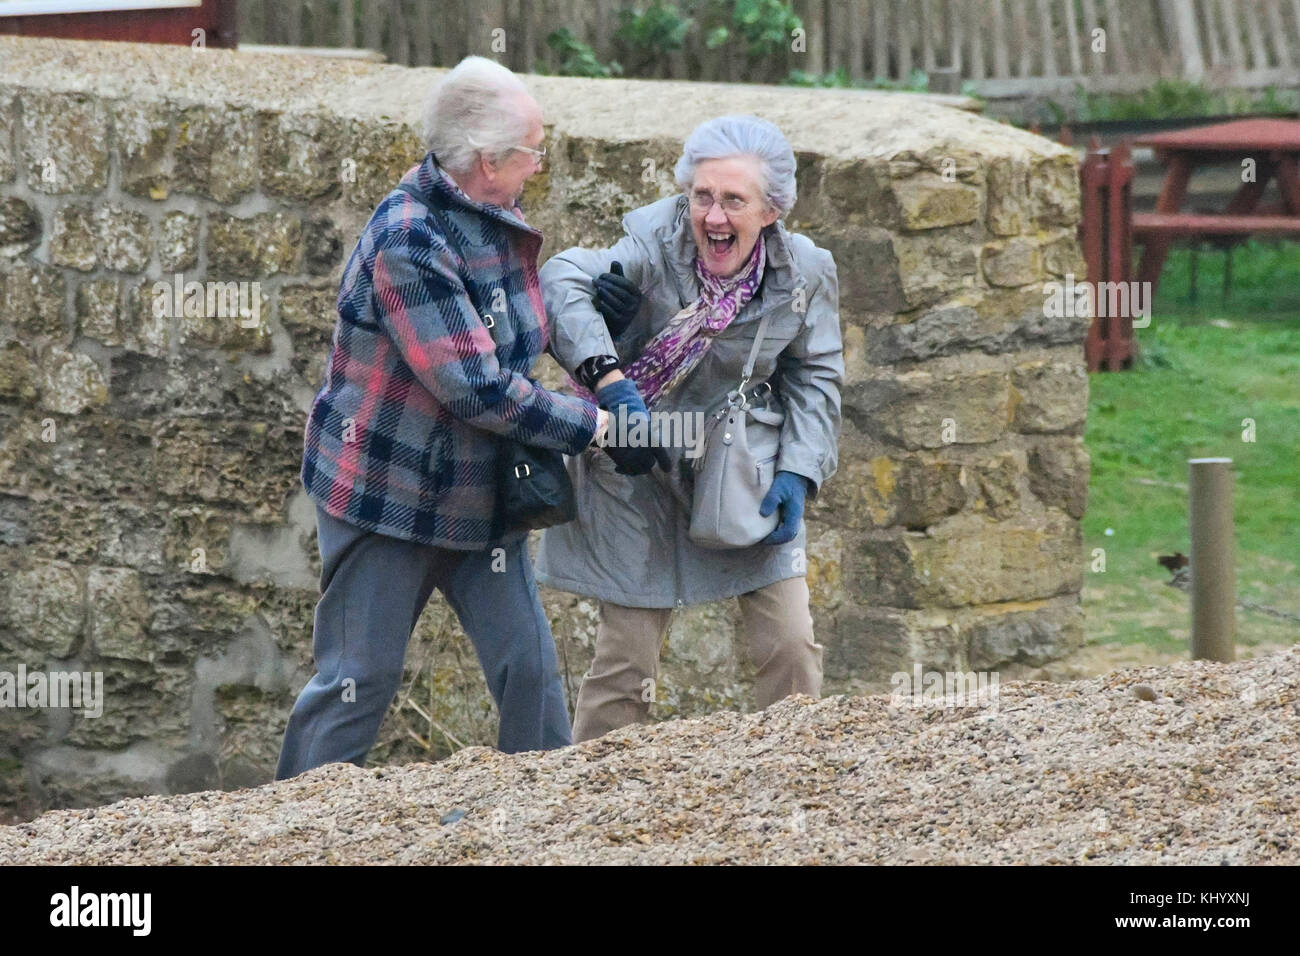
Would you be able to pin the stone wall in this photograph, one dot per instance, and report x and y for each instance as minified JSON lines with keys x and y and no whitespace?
{"x":152,"y":525}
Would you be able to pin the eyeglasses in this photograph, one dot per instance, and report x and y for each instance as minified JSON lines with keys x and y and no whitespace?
{"x":703,"y":199}
{"x":539,"y":153}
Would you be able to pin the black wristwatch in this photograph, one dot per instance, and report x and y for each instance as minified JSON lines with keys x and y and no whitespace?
{"x":594,"y":369}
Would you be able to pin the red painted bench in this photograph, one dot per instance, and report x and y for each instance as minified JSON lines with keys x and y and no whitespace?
{"x":1191,"y":225}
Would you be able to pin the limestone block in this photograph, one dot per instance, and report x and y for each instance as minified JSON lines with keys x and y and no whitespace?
{"x":178,"y":242}
{"x":20,"y":228}
{"x":142,"y":133}
{"x":374,"y":157}
{"x":117,"y":614}
{"x":8,"y":164}
{"x":1014,"y":262}
{"x":868,"y":271}
{"x":857,"y":194}
{"x":142,"y":701}
{"x":247,"y":464}
{"x":996,"y":481}
{"x":934,"y":264}
{"x":147,"y":321}
{"x":298,"y":155}
{"x":1032,"y":633}
{"x":1049,"y":396}
{"x":1007,"y":212}
{"x":196,"y":540}
{"x":72,"y":240}
{"x":322,"y":246}
{"x":65,"y":529}
{"x":932,"y":407}
{"x":234,"y":315}
{"x":199,"y":613}
{"x":123,"y":238}
{"x":1058,"y":474}
{"x":216,"y":152}
{"x":866,"y":645}
{"x":19,"y":373}
{"x":65,"y":142}
{"x":913,"y":491}
{"x":927,"y":201}
{"x":44,"y":606}
{"x":71,"y":382}
{"x":98,"y":310}
{"x":99,"y":459}
{"x":253,"y":248}
{"x":972,"y":560}
{"x":824,"y":572}
{"x":1064,"y":257}
{"x":1054,"y":192}
{"x":132,"y":536}
{"x":308,"y":307}
{"x":994,"y":321}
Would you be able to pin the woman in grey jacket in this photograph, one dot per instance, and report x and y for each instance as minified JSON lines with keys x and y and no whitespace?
{"x":667,"y":317}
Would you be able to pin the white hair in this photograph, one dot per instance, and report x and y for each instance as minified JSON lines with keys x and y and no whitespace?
{"x":727,"y":136}
{"x":473,"y":110}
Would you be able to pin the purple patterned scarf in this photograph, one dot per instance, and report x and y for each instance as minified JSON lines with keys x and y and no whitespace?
{"x":672,"y":354}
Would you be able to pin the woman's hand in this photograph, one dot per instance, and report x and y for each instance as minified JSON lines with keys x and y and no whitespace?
{"x":621,"y":399}
{"x":617,"y":299}
{"x":788,"y":490}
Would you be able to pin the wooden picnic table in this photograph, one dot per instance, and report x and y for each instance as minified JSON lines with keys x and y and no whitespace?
{"x":1274,"y":145}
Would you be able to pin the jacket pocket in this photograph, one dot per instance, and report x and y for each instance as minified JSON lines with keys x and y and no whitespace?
{"x":438,"y":464}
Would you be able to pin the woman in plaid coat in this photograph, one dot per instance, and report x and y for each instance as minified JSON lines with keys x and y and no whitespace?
{"x":440,"y":323}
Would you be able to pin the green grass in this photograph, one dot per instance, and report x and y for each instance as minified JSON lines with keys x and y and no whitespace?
{"x":1204,"y":367}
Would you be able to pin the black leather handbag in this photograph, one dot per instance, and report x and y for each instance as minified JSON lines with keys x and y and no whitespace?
{"x":533,"y":486}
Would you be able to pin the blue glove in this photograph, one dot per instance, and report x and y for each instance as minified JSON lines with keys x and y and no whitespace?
{"x":617,"y":298}
{"x":622,"y":400}
{"x":788,"y":490}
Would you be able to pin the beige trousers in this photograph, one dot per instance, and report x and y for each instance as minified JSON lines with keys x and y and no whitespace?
{"x":620,"y":686}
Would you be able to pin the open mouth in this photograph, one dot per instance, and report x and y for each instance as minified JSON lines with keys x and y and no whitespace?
{"x":720,"y":243}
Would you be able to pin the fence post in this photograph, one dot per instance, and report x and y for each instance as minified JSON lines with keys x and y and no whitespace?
{"x":1214,"y":578}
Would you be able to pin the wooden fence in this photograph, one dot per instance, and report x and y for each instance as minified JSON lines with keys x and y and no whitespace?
{"x":1005,"y":47}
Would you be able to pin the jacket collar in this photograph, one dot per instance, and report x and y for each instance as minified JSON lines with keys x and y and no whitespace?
{"x":780,"y":274}
{"x":431,"y":184}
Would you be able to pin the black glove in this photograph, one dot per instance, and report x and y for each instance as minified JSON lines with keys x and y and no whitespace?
{"x":617,"y":299}
{"x":623,"y":401}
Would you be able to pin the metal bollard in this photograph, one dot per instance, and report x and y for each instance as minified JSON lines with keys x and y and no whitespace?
{"x":1214,"y":575}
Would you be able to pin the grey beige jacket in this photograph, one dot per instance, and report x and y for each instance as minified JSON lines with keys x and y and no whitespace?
{"x":629,"y":544}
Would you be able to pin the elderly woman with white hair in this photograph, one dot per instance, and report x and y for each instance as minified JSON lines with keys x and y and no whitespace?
{"x":669,"y":316}
{"x":440,"y":321}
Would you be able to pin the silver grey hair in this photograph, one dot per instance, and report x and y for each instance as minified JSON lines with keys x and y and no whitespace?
{"x":727,"y":136}
{"x":474,"y":109}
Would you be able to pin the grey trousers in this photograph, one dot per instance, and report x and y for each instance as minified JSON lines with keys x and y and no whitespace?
{"x":373,"y":588}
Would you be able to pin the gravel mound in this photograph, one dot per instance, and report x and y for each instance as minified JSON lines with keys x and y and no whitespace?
{"x":1092,"y":771}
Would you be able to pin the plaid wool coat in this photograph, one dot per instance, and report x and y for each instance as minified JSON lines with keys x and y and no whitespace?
{"x":440,"y":321}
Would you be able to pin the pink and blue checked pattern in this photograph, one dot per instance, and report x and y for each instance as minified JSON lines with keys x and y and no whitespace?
{"x":402,"y":437}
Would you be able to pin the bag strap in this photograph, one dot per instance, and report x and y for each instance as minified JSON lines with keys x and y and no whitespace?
{"x":748,"y":370}
{"x":441,"y":217}
{"x":504,"y":444}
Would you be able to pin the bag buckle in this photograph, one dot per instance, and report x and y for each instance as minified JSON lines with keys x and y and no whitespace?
{"x":522,"y":470}
{"x":739,"y":394}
